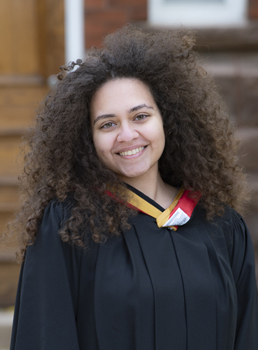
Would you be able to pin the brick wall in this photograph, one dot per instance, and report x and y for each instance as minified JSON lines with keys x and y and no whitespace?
{"x":253,"y":9}
{"x":104,"y":16}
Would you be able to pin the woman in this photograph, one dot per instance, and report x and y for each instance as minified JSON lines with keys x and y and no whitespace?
{"x":129,"y":230}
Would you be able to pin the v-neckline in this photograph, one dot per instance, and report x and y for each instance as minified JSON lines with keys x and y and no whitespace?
{"x":162,"y":216}
{"x":145,"y":197}
{"x":177,"y":214}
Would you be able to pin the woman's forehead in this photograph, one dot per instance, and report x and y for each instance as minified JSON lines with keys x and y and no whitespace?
{"x":123,"y":93}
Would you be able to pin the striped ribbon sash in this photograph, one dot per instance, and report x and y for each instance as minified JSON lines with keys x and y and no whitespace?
{"x":177,"y":214}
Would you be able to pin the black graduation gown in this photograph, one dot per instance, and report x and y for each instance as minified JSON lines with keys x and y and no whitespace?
{"x":149,"y":288}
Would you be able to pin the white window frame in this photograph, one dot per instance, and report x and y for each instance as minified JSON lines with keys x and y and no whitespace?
{"x":197,"y":14}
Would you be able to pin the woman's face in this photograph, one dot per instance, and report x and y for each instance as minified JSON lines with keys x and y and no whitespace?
{"x":127,"y":128}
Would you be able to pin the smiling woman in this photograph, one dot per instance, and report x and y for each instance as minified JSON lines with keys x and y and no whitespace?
{"x":129,"y":230}
{"x":127,"y":131}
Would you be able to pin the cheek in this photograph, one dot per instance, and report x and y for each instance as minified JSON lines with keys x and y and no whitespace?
{"x":161,"y":143}
{"x":158,"y":136}
{"x":102,"y":146}
{"x":97,"y":144}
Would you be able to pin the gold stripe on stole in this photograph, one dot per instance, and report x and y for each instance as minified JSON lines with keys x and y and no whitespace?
{"x":147,"y":208}
{"x":164,"y":216}
{"x":143,"y":205}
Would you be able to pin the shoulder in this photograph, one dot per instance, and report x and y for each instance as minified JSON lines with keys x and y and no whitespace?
{"x":60,"y":224}
{"x":230,"y":222}
{"x":48,"y":243}
{"x":230,"y":227}
{"x":228,"y":233}
{"x":233,"y":226}
{"x":58,"y":211}
{"x":54,"y":217}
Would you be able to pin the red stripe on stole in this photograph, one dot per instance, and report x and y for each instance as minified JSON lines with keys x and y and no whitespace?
{"x":187,"y":204}
{"x":112,"y":195}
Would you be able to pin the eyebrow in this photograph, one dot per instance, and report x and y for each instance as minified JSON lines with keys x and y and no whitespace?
{"x":136,"y":108}
{"x":139,"y":107}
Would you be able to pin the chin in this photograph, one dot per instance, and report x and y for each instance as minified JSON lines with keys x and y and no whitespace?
{"x":132,"y":174}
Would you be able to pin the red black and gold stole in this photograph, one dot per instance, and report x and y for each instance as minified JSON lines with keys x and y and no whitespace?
{"x":177,"y":214}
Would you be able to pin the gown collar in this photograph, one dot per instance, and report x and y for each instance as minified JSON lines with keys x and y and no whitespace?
{"x":177,"y":214}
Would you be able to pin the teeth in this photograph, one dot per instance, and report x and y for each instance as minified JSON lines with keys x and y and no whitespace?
{"x":133,"y":151}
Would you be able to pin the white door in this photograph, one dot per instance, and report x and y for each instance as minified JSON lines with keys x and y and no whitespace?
{"x":197,"y":13}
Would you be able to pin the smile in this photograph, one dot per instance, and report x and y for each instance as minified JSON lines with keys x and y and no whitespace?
{"x":131,"y":152}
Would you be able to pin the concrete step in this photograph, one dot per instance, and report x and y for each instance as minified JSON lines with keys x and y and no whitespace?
{"x":248,"y":153}
{"x":220,"y":39}
{"x":228,"y":39}
{"x":252,"y":179}
{"x":9,"y":276}
{"x":236,"y":75}
{"x":248,"y":150}
{"x":251,"y":216}
{"x":6,"y":319}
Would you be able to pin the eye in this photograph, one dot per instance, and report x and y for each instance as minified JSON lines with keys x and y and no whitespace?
{"x":107,"y":125}
{"x":141,"y":117}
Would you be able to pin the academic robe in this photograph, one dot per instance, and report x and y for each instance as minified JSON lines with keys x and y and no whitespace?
{"x":150,"y":288}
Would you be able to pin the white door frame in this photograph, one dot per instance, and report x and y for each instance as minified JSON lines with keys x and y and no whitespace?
{"x":74,"y":30}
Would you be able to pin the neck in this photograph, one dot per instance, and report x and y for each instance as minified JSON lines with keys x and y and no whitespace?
{"x":154,"y":187}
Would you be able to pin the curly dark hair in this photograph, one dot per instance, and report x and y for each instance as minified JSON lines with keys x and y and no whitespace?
{"x":200,"y":149}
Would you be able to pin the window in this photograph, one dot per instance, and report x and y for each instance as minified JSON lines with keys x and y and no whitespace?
{"x":197,"y":13}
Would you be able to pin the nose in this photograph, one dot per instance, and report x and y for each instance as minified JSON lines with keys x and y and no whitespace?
{"x":127,"y":133}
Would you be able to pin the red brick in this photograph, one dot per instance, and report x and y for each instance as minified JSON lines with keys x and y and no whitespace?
{"x":94,"y":4}
{"x":128,"y":3}
{"x":106,"y":17}
{"x":253,"y":14}
{"x":96,"y":39}
{"x":93,"y":42}
{"x":138,"y":14}
{"x":91,"y":29}
{"x":253,"y":9}
{"x":99,"y":24}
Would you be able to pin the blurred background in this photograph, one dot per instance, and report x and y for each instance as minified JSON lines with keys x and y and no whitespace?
{"x":38,"y":36}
